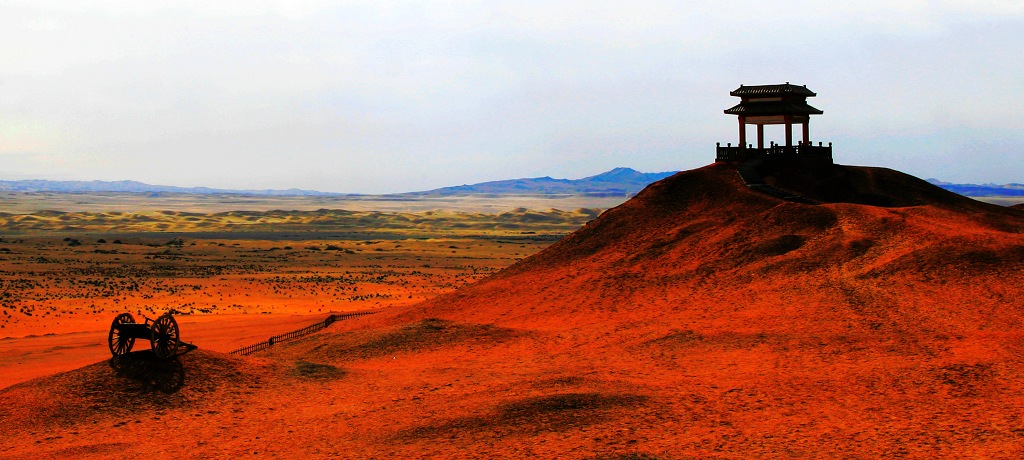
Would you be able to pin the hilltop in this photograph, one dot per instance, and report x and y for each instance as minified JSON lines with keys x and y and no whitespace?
{"x":701,"y":318}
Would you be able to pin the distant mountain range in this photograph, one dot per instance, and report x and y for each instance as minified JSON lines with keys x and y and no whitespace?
{"x":130,"y":186}
{"x":619,"y":181}
{"x":981,"y":190}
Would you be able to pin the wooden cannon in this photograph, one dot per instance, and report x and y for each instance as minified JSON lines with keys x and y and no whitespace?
{"x":162,"y":333}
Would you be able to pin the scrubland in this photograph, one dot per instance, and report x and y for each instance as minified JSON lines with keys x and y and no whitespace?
{"x":233,"y":278}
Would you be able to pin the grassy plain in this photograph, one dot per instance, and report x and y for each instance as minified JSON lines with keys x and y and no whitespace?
{"x":29,"y":202}
{"x":235,"y":277}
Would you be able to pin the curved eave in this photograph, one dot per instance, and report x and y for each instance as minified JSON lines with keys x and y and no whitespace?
{"x":772,"y":108}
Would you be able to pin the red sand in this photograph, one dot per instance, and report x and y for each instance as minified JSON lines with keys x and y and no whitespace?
{"x":57,"y":300}
{"x":25,"y":358}
{"x":700,"y":319}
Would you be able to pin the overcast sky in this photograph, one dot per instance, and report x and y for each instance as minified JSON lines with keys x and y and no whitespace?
{"x":383,"y":96}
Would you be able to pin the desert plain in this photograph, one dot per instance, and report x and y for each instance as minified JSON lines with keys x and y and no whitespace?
{"x":235,"y":277}
{"x":878,"y":318}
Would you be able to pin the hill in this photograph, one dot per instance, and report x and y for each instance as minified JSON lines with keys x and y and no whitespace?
{"x":129,"y":186}
{"x":700,"y":319}
{"x":617,"y":182}
{"x":982,"y":189}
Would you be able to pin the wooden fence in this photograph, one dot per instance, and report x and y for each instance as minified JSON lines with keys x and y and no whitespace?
{"x":739,"y":153}
{"x":248,"y":350}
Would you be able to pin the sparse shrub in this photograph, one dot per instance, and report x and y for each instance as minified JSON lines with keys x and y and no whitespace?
{"x":317,"y":371}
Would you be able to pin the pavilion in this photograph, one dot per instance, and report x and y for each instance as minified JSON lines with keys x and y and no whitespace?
{"x":761,"y":105}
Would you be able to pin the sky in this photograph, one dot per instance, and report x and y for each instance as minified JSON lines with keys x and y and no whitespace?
{"x":383,"y":96}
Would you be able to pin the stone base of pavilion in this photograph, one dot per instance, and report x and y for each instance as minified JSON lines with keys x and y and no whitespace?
{"x":806,"y":152}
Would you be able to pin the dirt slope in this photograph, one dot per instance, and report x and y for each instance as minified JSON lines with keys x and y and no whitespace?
{"x":699,"y":319}
{"x":701,"y":235}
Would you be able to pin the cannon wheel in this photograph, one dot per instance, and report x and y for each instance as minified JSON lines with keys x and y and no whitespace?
{"x":119,"y":344}
{"x":164,"y":336}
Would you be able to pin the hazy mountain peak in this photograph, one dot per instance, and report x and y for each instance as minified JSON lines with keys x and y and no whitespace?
{"x":630,"y":175}
{"x":618,"y":181}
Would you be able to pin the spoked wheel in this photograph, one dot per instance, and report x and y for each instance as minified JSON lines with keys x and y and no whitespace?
{"x":164,"y":336}
{"x":118,"y":342}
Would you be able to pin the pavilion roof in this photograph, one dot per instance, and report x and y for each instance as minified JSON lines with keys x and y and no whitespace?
{"x":772,"y":90}
{"x":773,"y":108}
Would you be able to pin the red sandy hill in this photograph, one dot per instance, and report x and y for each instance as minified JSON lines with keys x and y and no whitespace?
{"x":699,"y":319}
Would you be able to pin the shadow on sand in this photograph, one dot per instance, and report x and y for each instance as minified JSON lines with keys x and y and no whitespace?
{"x":153,"y":373}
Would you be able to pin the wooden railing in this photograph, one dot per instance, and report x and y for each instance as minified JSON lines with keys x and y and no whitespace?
{"x":737,"y":153}
{"x":248,"y":350}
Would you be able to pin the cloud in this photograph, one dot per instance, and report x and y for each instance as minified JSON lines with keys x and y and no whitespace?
{"x":458,"y":92}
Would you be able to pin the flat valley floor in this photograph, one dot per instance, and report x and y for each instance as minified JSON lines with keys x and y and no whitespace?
{"x":233,"y":278}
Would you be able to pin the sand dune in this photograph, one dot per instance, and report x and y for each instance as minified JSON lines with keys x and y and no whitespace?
{"x":281,"y":221}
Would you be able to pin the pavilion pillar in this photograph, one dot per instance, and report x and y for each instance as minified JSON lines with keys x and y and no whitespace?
{"x":743,"y":132}
{"x":760,"y":105}
{"x":789,"y":130}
